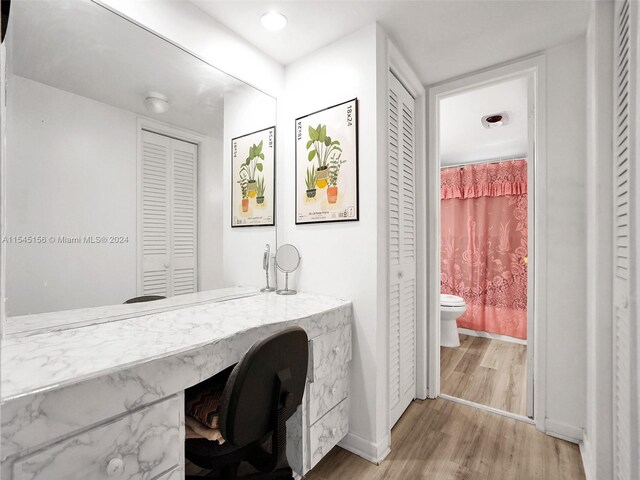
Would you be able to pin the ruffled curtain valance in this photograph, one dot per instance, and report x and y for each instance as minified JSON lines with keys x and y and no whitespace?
{"x":485,"y":180}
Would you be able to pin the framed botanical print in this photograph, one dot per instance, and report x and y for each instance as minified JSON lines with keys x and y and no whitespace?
{"x":253,"y":179}
{"x":327,"y":165}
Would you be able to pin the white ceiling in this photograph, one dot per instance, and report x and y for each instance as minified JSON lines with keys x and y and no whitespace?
{"x":474,"y":34}
{"x":463,"y":139}
{"x":87,"y":50}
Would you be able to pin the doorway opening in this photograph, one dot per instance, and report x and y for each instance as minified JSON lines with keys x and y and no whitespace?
{"x":483,"y":160}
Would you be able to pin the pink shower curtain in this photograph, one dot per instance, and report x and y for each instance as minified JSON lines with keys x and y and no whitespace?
{"x":484,"y":245}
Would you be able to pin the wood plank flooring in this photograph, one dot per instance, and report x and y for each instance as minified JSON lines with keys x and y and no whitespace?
{"x":486,"y":371}
{"x":443,"y":440}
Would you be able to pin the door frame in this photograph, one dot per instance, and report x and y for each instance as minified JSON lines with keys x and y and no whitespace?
{"x":167,"y":130}
{"x":533,"y":68}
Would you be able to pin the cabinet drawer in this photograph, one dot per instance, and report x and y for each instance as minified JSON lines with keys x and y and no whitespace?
{"x":325,"y":393}
{"x":328,"y":431}
{"x":330,"y":352}
{"x":138,"y":446}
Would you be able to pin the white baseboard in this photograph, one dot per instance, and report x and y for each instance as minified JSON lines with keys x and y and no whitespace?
{"x":563,"y":431}
{"x":366,"y":449}
{"x":492,"y":336}
{"x":587,"y":458}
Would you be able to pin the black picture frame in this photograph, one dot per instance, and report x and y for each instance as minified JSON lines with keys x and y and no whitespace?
{"x":356,"y":217}
{"x":273,"y":180}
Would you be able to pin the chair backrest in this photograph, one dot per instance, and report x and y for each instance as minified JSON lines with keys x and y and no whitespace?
{"x":270,"y":376}
{"x":145,"y":298}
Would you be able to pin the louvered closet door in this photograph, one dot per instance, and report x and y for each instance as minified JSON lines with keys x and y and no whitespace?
{"x":626,"y":426}
{"x":168,"y":215}
{"x":155,"y":215}
{"x":402,"y":250}
{"x":184,"y":224}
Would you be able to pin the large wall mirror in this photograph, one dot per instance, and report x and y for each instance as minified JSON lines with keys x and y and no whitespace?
{"x":119,"y":164}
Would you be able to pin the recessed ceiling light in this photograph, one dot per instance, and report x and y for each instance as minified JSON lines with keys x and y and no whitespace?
{"x":495,"y":120}
{"x":273,"y":21}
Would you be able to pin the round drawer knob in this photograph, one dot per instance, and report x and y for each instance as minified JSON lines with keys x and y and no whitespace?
{"x":334,"y":390}
{"x":336,"y":350}
{"x":334,"y":432}
{"x":115,"y":467}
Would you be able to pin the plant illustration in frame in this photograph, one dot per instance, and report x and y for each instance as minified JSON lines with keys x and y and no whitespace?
{"x":321,"y":146}
{"x":260,"y":189}
{"x":310,"y":181}
{"x":253,"y":168}
{"x":334,"y":172}
{"x":252,"y":165}
{"x":327,"y":165}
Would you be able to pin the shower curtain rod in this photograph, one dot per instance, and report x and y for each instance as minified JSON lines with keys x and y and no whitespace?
{"x":493,"y":160}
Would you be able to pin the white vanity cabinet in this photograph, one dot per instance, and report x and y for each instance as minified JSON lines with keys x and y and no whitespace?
{"x":140,"y":445}
{"x":106,"y":401}
{"x":324,"y":414}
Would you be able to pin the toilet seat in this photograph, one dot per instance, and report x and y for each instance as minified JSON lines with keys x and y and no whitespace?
{"x":451,"y":301}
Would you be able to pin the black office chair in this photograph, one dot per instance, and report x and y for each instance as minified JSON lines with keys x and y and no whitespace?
{"x":145,"y":298}
{"x":264,"y":389}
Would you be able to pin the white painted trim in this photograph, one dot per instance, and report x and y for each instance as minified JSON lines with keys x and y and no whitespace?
{"x":587,"y":458}
{"x":492,"y":336}
{"x":374,"y":453}
{"x":399,"y":66}
{"x":479,"y":406}
{"x":3,"y":183}
{"x":564,"y":432}
{"x":533,"y":67}
{"x":150,"y":124}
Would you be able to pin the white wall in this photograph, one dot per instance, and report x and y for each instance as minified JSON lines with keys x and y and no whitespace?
{"x":210,"y":207}
{"x":341,"y":259}
{"x":72,"y":171}
{"x":246,"y":110}
{"x":566,"y":241}
{"x":67,"y":156}
{"x":186,"y":25}
{"x":598,"y":437}
{"x":464,"y":139}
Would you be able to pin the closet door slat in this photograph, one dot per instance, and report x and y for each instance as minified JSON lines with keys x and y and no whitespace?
{"x":626,"y":377}
{"x":155,"y":214}
{"x":184,"y":226}
{"x":168,"y":216}
{"x":402,"y":249}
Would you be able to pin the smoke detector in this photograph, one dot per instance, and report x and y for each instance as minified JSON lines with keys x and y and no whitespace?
{"x":495,"y":120}
{"x":156,"y":102}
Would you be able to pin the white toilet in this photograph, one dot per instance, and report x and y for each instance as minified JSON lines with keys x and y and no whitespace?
{"x":451,"y":308}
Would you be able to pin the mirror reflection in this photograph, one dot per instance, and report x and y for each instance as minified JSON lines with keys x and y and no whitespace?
{"x":118,"y":163}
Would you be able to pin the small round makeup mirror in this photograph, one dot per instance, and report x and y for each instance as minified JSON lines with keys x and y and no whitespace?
{"x":287,"y":261}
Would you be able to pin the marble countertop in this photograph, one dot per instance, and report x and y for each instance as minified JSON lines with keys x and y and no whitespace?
{"x":51,"y":321}
{"x":55,"y":359}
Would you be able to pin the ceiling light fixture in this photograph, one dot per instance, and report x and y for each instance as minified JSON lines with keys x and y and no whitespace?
{"x":495,"y":120}
{"x":156,"y":103}
{"x":273,"y":21}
